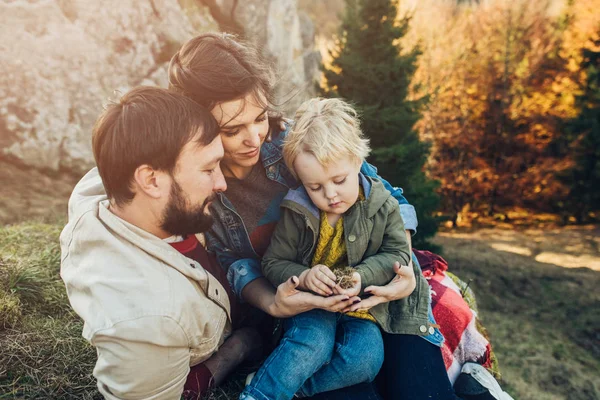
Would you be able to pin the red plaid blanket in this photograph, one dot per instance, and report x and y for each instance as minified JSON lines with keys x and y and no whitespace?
{"x":455,"y":310}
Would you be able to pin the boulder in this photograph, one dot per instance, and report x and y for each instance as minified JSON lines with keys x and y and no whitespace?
{"x":61,"y":60}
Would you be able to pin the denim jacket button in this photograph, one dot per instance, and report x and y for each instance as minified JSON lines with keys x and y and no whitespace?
{"x":351,"y":238}
{"x":423,"y":328}
{"x":431,"y":330}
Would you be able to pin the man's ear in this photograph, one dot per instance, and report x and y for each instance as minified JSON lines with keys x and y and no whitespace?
{"x":152,"y":183}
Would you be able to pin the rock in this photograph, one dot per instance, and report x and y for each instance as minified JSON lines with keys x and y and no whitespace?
{"x":62,"y":60}
{"x":286,"y":38}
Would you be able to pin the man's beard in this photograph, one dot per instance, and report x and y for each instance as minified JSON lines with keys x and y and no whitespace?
{"x":177,"y":219}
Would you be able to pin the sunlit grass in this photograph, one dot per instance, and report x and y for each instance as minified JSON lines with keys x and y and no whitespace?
{"x":42,"y":353}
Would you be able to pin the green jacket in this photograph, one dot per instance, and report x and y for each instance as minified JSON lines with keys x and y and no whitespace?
{"x":375,"y":239}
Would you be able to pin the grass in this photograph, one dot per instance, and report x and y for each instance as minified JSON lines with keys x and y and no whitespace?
{"x":42,"y":353}
{"x":543,"y":318}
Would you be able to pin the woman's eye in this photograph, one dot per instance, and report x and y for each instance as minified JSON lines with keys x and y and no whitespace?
{"x":315,"y":189}
{"x":210,"y":171}
{"x":340,"y":182}
{"x":261,"y":118}
{"x":230,"y":133}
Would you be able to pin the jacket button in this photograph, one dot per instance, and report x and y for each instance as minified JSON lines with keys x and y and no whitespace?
{"x":431,"y":330}
{"x":423,"y":328}
{"x":351,"y":238}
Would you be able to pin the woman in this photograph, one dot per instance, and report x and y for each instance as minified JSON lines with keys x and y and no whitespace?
{"x":230,"y":79}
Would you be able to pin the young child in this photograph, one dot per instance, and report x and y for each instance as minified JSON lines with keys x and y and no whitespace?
{"x":335,"y":219}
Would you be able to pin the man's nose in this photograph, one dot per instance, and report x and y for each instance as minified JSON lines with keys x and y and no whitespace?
{"x":219,"y":181}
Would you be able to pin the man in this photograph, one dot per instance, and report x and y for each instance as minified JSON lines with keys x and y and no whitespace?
{"x":153,"y":301}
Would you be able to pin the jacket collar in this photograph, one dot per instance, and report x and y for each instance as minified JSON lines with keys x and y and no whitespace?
{"x":299,"y":200}
{"x":89,"y":197}
{"x":166,"y":254}
{"x":270,"y":152}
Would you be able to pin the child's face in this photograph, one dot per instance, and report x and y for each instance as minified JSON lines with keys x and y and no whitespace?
{"x":333,"y":189}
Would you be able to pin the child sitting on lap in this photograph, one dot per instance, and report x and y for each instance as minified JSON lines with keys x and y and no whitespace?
{"x":335,"y":219}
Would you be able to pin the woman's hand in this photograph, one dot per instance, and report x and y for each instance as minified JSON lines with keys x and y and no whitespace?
{"x":401,"y":286}
{"x":289,"y":301}
{"x":282,"y":127}
{"x":319,"y":279}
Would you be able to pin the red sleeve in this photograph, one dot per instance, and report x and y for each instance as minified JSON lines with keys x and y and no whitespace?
{"x":199,"y":380}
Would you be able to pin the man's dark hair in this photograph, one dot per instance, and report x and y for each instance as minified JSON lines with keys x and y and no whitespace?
{"x":147,"y":126}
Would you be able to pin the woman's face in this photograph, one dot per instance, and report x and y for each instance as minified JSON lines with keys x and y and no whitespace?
{"x":244,"y":127}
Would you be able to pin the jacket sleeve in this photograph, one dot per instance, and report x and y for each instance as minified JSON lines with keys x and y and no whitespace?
{"x":281,"y":260}
{"x":132,"y":366}
{"x":240,"y":271}
{"x":409,"y":215}
{"x":378,"y":269}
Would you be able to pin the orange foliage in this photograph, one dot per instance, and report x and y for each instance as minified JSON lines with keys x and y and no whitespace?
{"x":501,"y":76}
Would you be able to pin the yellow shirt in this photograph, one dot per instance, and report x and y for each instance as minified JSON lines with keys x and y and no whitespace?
{"x":331,"y":250}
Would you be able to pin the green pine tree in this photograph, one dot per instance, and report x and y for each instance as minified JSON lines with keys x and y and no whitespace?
{"x":369,"y":70}
{"x":583,"y":141}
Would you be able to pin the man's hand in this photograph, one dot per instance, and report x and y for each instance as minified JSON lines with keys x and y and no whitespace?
{"x":401,"y":286}
{"x":290,"y":301}
{"x":243,"y":344}
{"x":319,"y":279}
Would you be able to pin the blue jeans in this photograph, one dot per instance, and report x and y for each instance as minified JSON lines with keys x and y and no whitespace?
{"x":320,"y":352}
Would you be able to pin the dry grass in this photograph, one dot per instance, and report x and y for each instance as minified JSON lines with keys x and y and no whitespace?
{"x":46,"y":358}
{"x":26,"y":193}
{"x":344,"y":277}
{"x":543,"y":317}
{"x":42,"y":353}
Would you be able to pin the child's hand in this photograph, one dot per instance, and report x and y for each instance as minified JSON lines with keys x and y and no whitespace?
{"x":319,"y":279}
{"x":352,"y":291}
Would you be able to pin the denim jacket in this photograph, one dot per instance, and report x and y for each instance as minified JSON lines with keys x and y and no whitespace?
{"x":229,"y":239}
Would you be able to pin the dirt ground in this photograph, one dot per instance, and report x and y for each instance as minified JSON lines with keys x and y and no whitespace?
{"x":29,"y":194}
{"x":568,"y":246}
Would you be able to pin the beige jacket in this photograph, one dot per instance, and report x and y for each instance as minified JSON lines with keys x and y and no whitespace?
{"x":150,"y":312}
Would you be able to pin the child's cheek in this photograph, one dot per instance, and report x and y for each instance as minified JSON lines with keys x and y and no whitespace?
{"x":315,"y":199}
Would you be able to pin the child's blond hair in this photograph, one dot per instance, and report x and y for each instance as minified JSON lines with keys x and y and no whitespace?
{"x":328,"y":129}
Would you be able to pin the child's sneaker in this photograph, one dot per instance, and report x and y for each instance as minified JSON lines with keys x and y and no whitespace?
{"x":476,"y":383}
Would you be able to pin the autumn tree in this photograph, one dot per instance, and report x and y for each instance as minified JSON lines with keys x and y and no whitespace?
{"x":372,"y":69}
{"x":499,"y":88}
{"x":581,"y":142}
